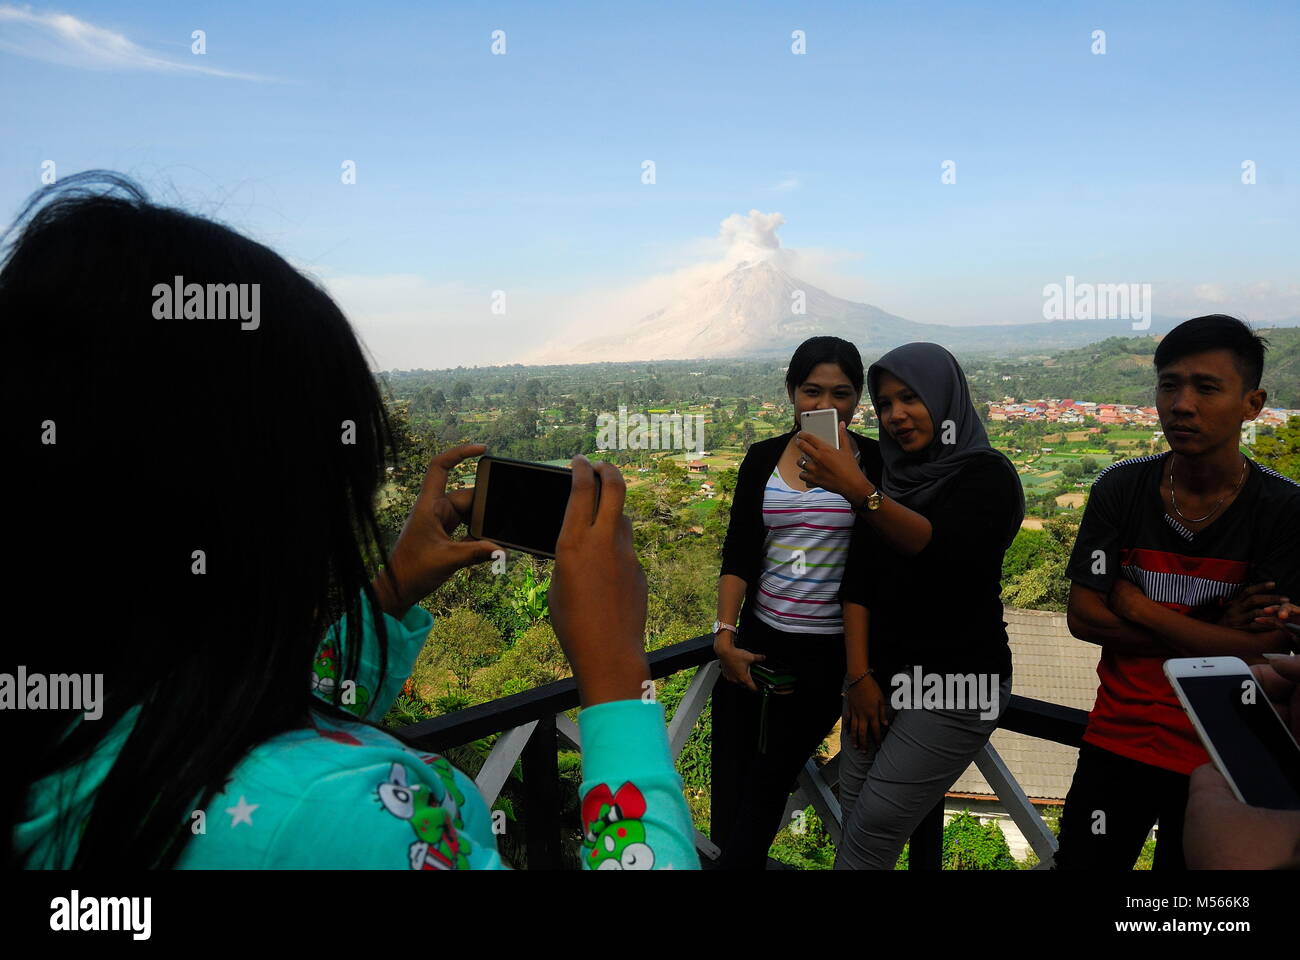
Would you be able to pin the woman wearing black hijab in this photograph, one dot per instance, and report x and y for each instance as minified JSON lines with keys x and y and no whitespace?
{"x":929,"y":669}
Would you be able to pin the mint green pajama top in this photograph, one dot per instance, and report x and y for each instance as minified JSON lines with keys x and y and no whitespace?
{"x":345,"y":795}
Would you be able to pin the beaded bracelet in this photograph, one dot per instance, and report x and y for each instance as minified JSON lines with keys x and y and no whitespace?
{"x":848,"y":686}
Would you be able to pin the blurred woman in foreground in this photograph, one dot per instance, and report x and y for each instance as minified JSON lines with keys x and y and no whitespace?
{"x":202,"y":532}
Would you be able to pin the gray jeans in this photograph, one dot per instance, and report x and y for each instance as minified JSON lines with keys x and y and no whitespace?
{"x":886,"y":790}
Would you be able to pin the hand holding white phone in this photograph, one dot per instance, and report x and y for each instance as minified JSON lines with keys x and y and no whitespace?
{"x":1241,"y":731}
{"x":823,"y":424}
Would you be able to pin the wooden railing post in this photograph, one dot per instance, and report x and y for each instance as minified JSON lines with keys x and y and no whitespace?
{"x":541,"y":771}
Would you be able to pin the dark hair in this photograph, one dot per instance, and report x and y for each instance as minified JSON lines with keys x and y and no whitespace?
{"x":176,"y":435}
{"x":818,"y":350}
{"x":1216,"y":332}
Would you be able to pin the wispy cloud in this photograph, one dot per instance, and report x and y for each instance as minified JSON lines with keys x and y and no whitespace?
{"x":791,"y":182}
{"x":63,"y":39}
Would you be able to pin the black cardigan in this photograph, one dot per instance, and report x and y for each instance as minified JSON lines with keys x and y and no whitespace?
{"x":742,"y":551}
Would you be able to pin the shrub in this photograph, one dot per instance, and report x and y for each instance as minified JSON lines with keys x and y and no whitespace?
{"x":971,"y":845}
{"x":461,"y":642}
{"x":804,"y":843}
{"x":535,"y":659}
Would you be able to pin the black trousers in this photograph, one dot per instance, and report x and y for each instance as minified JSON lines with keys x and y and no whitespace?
{"x":751,"y":788}
{"x":1112,"y":805}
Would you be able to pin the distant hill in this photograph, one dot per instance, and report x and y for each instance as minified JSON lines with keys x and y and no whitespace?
{"x":1114,"y":370}
{"x":1119,"y":370}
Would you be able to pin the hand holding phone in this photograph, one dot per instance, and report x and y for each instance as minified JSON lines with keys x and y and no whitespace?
{"x":822,"y":424}
{"x":521,"y":505}
{"x":598,"y":591}
{"x":1220,"y":831}
{"x":425,"y":555}
{"x":775,"y":677}
{"x":1244,"y":735}
{"x":832,"y":467}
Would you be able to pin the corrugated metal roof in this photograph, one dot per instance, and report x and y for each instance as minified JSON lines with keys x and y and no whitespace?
{"x":1048,"y":664}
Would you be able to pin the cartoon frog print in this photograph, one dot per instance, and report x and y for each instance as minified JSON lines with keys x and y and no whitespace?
{"x":324,"y":681}
{"x":438,"y":845}
{"x":614,"y":836}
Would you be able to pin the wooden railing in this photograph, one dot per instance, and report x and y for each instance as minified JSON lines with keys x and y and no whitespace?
{"x":534,"y":728}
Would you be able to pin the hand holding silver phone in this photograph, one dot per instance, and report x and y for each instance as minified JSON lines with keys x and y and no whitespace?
{"x":823,"y":424}
{"x":1239,"y":728}
{"x":521,"y":505}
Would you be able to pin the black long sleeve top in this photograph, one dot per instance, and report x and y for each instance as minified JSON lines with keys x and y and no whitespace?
{"x":940,"y":609}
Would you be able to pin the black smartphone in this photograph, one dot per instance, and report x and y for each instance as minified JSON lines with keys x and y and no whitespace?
{"x":776,"y":677}
{"x":521,"y":505}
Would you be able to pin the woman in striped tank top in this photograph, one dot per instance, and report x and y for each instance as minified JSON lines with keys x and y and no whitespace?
{"x":782,"y":559}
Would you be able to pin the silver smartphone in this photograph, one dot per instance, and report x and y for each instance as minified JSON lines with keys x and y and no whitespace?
{"x":823,"y":424}
{"x":521,"y":505}
{"x":1242,"y":732}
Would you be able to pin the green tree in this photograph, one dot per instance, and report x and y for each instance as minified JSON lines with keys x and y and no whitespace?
{"x":670,"y":470}
{"x":726,"y":481}
{"x":1281,"y":451}
{"x":1024,"y":552}
{"x":461,"y":642}
{"x":1044,"y":586}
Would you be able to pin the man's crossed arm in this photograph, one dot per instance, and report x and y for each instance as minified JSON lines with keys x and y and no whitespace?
{"x":1127,"y":622}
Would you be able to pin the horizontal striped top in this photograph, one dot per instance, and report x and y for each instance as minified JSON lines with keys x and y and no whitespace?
{"x":804,"y":551}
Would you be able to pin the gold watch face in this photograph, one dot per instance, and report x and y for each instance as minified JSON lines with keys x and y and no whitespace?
{"x":873,"y":500}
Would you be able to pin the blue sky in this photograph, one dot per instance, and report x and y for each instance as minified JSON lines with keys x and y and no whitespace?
{"x":522,"y":172}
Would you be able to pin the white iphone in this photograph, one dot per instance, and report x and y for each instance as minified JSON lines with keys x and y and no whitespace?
{"x":1244,"y":735}
{"x":823,"y":424}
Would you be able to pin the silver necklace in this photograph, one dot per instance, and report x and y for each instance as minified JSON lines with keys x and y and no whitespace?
{"x":1174,"y":502}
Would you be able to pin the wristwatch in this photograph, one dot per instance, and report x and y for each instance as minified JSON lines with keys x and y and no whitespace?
{"x":873,"y":501}
{"x":719,"y":625}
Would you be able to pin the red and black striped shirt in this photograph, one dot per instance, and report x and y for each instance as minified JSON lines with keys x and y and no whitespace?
{"x":1126,"y":532}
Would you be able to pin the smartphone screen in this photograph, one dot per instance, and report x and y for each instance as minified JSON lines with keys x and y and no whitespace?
{"x":523,"y":504}
{"x":1255,"y":748}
